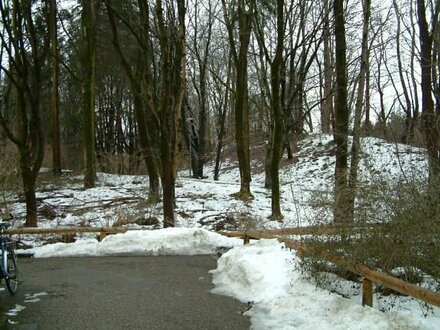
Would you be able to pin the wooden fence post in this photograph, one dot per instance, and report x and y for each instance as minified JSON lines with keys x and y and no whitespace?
{"x":367,"y":292}
{"x":102,"y":235}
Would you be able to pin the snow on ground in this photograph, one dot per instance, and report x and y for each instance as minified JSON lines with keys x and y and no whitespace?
{"x":120,"y":199}
{"x":268,"y":276}
{"x":265,"y":274}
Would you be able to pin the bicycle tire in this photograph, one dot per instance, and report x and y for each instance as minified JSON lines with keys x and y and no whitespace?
{"x":12,"y":279}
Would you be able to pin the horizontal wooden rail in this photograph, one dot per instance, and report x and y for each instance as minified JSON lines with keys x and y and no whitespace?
{"x":103,"y":231}
{"x":308,"y":230}
{"x":391,"y":282}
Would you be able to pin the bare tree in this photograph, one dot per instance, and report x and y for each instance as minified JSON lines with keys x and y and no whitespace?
{"x":223,"y":103}
{"x":20,"y":108}
{"x":171,"y":34}
{"x":277,"y":111}
{"x":356,"y":145}
{"x":200,"y":50}
{"x":141,"y":82}
{"x":327,"y":105}
{"x":245,"y":11}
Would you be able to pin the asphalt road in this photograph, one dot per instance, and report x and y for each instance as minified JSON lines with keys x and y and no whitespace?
{"x":119,"y":293}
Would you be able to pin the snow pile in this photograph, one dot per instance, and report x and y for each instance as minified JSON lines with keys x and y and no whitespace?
{"x":265,"y":275}
{"x":170,"y":241}
{"x":247,"y":267}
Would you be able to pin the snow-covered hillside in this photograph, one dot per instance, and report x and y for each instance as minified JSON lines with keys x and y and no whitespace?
{"x":207,"y":203}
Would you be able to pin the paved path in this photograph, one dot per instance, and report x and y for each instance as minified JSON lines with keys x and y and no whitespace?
{"x":120,"y":293}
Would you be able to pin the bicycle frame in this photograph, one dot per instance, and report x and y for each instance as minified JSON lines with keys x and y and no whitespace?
{"x":4,"y":250}
{"x":4,"y":263}
{"x":8,"y":261}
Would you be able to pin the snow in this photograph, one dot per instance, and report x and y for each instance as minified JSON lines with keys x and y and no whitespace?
{"x":169,"y":241}
{"x":265,"y":274}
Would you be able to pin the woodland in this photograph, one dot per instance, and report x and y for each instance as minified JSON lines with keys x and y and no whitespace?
{"x":153,"y":87}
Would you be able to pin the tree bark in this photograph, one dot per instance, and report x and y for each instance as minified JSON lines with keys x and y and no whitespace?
{"x":56,"y":140}
{"x":278,"y":129}
{"x":202,"y":55}
{"x":89,"y":16}
{"x":429,"y":117}
{"x":223,"y":110}
{"x":245,"y":12}
{"x":327,"y":106}
{"x":171,"y":99}
{"x":356,"y":145}
{"x":341,"y":116}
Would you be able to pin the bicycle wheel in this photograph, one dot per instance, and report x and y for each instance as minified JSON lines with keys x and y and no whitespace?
{"x":12,"y":279}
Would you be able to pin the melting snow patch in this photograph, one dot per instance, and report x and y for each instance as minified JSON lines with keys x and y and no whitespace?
{"x":14,"y":311}
{"x":33,"y":298}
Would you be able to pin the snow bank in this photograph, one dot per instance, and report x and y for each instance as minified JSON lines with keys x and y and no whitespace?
{"x":266,"y":275}
{"x":170,"y":241}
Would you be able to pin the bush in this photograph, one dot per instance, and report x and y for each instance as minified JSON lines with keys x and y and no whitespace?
{"x":398,"y":232}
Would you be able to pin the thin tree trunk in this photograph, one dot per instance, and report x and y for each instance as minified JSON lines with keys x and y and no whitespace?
{"x":222,"y":120}
{"x":407,"y":105}
{"x":56,"y":141}
{"x":355,"y":149}
{"x":327,"y":106}
{"x":89,"y":91}
{"x":278,"y":130}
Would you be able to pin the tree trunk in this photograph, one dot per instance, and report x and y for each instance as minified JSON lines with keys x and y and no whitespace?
{"x":201,"y":48}
{"x":327,"y":106}
{"x":278,"y":129}
{"x":89,"y":16}
{"x":173,"y":57}
{"x":341,"y":116}
{"x":429,"y":117}
{"x":56,"y":142}
{"x":28,"y":179}
{"x":355,"y":149}
{"x":222,"y":120}
{"x":245,"y":14}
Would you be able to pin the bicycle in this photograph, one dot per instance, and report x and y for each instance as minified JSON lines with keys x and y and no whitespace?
{"x":8,"y":261}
